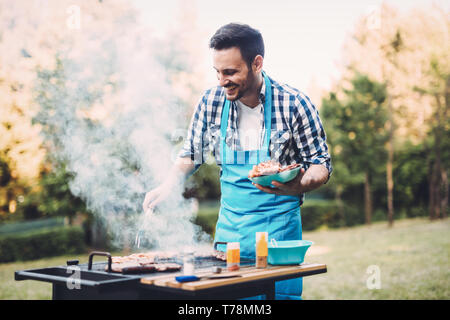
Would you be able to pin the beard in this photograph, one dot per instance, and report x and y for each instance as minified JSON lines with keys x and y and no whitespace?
{"x":241,"y":90}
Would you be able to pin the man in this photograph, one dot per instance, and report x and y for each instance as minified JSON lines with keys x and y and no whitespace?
{"x":250,"y":118}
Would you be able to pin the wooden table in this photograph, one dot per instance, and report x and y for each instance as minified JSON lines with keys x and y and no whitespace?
{"x":251,"y":282}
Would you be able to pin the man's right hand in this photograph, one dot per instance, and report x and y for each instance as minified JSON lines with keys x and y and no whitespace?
{"x":182,"y":167}
{"x":156,"y":196}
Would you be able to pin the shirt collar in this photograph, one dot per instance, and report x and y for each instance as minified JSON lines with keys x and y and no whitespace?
{"x":262,"y":93}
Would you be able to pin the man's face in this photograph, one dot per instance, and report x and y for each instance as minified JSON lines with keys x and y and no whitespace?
{"x":233,"y":73}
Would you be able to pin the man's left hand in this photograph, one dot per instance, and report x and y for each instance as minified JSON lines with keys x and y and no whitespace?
{"x":305,"y":181}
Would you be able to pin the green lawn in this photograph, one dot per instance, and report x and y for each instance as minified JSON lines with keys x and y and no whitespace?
{"x":413,"y":259}
{"x":29,"y":289}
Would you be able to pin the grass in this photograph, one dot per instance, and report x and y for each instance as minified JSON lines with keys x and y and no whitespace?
{"x":413,"y":259}
{"x":28,"y":289}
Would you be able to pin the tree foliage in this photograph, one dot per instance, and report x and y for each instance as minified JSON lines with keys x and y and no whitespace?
{"x":355,"y":129}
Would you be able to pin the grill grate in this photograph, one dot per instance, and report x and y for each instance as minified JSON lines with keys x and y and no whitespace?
{"x":199,"y":263}
{"x":205,"y":262}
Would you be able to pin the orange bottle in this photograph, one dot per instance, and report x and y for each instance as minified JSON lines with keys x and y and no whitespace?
{"x":261,"y":250}
{"x":233,"y":256}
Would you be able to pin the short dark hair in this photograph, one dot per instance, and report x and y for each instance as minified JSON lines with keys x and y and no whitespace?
{"x":247,"y":39}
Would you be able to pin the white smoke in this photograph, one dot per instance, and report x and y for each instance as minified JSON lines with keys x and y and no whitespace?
{"x":113,"y":113}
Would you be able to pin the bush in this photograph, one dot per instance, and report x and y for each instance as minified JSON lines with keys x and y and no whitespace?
{"x":28,"y":226}
{"x":43,"y":243}
{"x":206,"y":218}
{"x":315,"y":213}
{"x":330,"y":213}
{"x":205,"y":183}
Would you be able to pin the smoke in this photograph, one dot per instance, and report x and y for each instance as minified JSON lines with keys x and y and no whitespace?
{"x":110,"y":112}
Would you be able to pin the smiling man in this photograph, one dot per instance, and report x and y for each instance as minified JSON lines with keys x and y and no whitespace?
{"x":247,"y":119}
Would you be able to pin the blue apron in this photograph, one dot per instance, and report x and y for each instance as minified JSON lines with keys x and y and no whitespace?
{"x":246,"y":210}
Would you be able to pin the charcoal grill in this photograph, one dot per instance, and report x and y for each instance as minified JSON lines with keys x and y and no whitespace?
{"x":94,"y":281}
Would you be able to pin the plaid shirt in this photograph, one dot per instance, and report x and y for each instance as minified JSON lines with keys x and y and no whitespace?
{"x":297,"y":135}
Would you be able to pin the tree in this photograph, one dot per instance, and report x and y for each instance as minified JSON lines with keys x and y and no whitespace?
{"x":30,"y":37}
{"x":357,"y":134}
{"x":399,"y":51}
{"x":391,"y":51}
{"x":438,"y":88}
{"x":108,"y":110}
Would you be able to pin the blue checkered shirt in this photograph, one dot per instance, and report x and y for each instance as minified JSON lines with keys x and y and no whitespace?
{"x":297,"y":134}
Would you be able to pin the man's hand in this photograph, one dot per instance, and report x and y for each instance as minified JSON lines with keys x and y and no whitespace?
{"x":156,"y":196}
{"x":313,"y":178}
{"x":182,"y":168}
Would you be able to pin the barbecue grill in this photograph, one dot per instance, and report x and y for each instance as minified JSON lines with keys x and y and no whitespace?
{"x":96,"y":281}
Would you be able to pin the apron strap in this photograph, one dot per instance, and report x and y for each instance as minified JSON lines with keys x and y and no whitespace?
{"x":267,"y":112}
{"x":267,"y":121}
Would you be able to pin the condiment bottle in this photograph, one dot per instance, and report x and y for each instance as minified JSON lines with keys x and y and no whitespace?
{"x":261,"y":250}
{"x":188,"y":263}
{"x":233,"y":256}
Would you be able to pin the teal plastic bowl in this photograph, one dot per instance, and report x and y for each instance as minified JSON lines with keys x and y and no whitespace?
{"x":288,"y":252}
{"x":282,"y":177}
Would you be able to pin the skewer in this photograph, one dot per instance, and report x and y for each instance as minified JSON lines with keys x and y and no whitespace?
{"x":137,"y":240}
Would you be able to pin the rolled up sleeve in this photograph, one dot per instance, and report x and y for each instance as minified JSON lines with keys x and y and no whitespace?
{"x":309,"y":135}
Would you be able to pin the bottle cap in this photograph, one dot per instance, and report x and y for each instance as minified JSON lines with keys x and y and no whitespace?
{"x":233,"y":245}
{"x":262,"y":236}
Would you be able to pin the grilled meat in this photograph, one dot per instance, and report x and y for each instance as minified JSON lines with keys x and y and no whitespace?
{"x":268,"y":168}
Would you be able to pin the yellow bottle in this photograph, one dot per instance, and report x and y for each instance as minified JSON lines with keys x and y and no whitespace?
{"x":261,"y":250}
{"x":233,"y":256}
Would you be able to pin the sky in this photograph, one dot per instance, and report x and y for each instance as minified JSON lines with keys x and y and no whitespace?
{"x":303,"y":39}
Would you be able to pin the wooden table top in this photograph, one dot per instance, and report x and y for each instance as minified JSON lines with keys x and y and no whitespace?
{"x":246,"y":274}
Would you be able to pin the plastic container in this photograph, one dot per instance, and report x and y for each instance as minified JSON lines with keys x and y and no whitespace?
{"x":287,"y":252}
{"x":283,"y":177}
{"x":233,"y":256}
{"x":261,"y":249}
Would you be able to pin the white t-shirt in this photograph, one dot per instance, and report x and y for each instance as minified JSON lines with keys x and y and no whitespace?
{"x":249,"y":126}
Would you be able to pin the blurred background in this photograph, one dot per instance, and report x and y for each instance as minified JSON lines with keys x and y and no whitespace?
{"x":96,"y":98}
